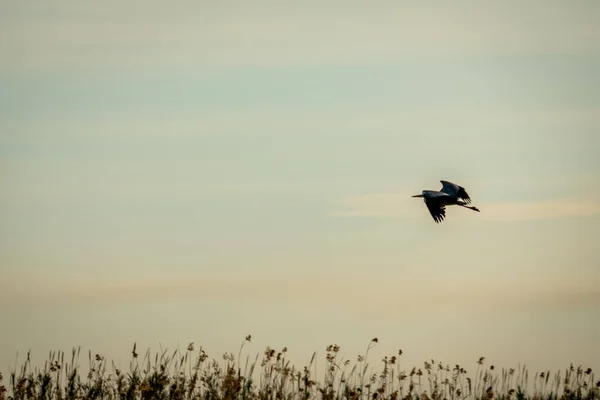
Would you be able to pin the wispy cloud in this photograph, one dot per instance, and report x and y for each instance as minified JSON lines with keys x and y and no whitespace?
{"x":400,"y":205}
{"x":189,"y":121}
{"x":385,"y":205}
{"x":362,"y":295}
{"x":276,"y":34}
{"x":542,"y":210}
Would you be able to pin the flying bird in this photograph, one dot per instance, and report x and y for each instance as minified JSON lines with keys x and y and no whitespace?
{"x":450,"y":194}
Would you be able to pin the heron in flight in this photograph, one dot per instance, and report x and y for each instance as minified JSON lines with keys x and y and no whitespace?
{"x":450,"y":194}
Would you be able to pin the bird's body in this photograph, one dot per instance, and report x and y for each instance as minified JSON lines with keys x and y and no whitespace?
{"x":450,"y":194}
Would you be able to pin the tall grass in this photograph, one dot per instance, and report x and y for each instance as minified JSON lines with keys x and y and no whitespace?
{"x":191,"y":374}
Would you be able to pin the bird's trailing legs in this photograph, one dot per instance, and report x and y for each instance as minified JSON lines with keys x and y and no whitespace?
{"x":466,"y":206}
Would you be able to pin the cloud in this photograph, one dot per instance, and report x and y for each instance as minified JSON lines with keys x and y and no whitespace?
{"x":385,"y":205}
{"x":352,"y":294}
{"x":541,"y":210}
{"x":401,"y":205}
{"x":267,"y":33}
{"x":185,"y":121}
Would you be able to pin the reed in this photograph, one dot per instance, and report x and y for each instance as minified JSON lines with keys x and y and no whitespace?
{"x":192,"y":374}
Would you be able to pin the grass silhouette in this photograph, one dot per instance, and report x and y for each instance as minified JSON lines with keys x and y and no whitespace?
{"x":190,"y":374}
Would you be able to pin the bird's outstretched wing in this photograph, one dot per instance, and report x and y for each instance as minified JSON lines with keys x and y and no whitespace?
{"x":462,"y":193}
{"x":436,"y":208}
{"x":455,"y":190}
{"x":449,"y":188}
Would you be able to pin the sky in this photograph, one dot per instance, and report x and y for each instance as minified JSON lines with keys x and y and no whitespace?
{"x":200,"y":171}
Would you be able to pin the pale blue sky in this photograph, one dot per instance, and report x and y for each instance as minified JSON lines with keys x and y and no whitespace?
{"x":252,"y":167}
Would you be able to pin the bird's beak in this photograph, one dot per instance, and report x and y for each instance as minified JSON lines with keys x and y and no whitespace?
{"x":417,"y":195}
